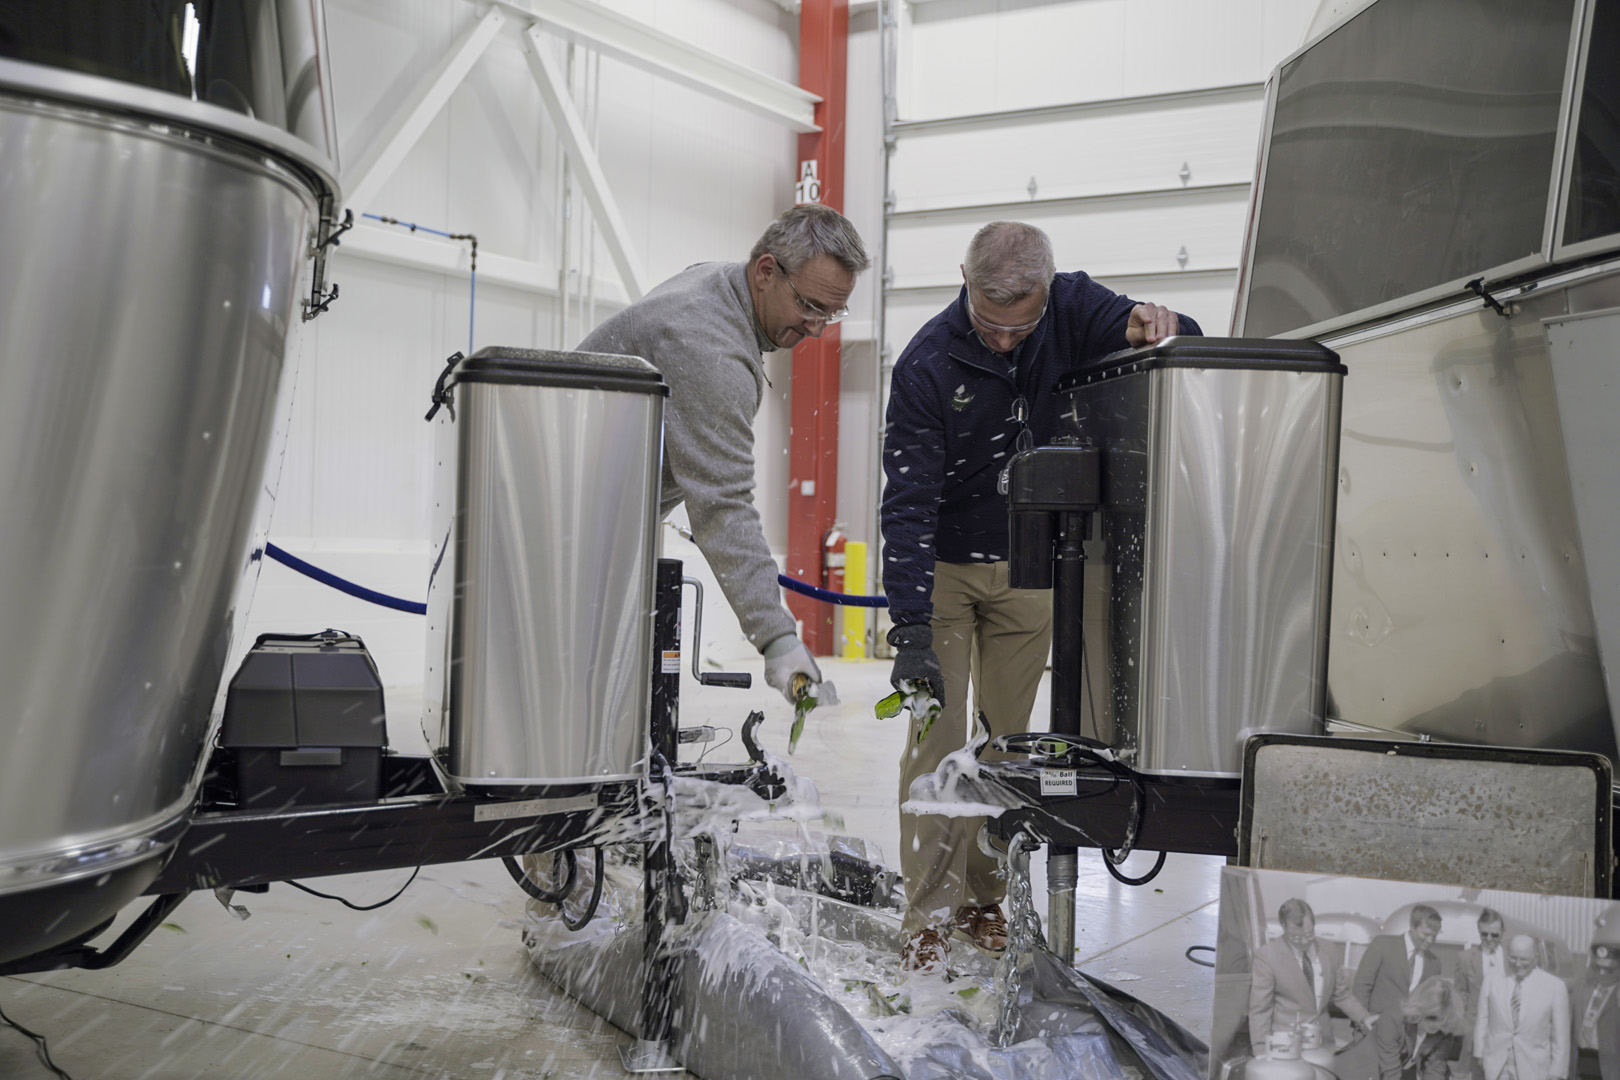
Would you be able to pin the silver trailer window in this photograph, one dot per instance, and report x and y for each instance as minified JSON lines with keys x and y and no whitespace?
{"x":131,"y":43}
{"x":1594,"y":186}
{"x":262,"y":59}
{"x":1410,"y":148}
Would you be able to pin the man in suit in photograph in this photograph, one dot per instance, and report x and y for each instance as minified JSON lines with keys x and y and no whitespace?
{"x":1522,"y":1032}
{"x":1394,"y":964}
{"x":1594,"y":1012}
{"x":1478,"y":965}
{"x":1293,"y":981}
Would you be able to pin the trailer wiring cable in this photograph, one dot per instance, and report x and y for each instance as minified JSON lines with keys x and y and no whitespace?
{"x":1125,"y":879}
{"x":359,"y":907}
{"x":1092,"y":750}
{"x":1199,"y":948}
{"x":596,"y":898}
{"x":710,"y":747}
{"x":528,"y":884}
{"x":1114,"y":859}
{"x":41,"y":1050}
{"x":1100,"y":753}
{"x":1111,"y":780}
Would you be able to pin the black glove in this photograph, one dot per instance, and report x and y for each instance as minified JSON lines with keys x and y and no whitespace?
{"x":915,"y":662}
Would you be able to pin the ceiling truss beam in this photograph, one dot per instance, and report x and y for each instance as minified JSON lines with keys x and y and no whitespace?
{"x":582,"y":156}
{"x":652,"y":50}
{"x":591,"y":26}
{"x":418,"y":110}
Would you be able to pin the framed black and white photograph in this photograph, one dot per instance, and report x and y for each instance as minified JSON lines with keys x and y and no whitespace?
{"x":1323,"y":977}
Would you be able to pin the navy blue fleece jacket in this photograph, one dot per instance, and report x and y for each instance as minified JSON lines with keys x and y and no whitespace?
{"x":952,"y":425}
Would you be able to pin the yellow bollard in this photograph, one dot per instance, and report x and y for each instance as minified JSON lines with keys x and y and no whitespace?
{"x":855,"y":584}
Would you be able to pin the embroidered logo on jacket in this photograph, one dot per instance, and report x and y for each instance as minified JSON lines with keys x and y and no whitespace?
{"x":962,"y":399}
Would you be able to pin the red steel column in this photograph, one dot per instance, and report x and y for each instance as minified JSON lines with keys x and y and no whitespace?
{"x":813,"y":445}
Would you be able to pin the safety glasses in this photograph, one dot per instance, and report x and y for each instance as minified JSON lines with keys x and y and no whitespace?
{"x":985,"y":324}
{"x":813,"y":311}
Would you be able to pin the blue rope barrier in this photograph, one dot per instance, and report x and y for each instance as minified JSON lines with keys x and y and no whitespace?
{"x":826,"y":595}
{"x":326,"y":577}
{"x":286,"y":558}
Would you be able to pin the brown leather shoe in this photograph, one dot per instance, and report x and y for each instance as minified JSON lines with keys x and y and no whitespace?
{"x":985,"y":926}
{"x":926,"y":951}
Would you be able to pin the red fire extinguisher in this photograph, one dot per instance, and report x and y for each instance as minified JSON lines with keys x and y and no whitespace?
{"x":832,"y":559}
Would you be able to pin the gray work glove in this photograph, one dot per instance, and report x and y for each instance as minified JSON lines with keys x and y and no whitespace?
{"x":915,"y":665}
{"x":785,"y":658}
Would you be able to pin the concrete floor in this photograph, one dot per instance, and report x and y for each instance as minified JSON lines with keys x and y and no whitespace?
{"x":437,"y":984}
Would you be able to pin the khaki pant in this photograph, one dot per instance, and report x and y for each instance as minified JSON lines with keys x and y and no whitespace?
{"x":1003,"y":636}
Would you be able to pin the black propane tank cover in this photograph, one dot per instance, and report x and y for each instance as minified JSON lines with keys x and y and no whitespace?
{"x":304,"y":715}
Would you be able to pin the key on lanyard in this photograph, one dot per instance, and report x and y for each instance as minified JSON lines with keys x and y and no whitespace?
{"x":1024,"y":441}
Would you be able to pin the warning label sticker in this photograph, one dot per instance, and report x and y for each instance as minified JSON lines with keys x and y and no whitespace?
{"x":1059,"y":782}
{"x":672,"y":662}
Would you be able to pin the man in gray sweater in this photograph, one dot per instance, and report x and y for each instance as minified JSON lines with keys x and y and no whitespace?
{"x":706,"y":329}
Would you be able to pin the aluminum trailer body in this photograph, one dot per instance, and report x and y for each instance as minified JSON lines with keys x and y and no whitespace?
{"x":1444,"y":213}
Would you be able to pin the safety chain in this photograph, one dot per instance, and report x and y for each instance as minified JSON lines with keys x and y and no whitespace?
{"x":1023,"y":936}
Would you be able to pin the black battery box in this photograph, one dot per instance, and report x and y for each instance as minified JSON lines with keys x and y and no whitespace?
{"x":304,"y":719}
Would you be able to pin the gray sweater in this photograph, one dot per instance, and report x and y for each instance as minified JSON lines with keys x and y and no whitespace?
{"x":698,"y":329}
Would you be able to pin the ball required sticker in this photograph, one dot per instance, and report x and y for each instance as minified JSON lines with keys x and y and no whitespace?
{"x":1059,"y":782}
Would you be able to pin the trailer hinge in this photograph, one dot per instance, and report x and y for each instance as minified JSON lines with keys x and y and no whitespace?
{"x":1477,"y":287}
{"x":326,"y":236}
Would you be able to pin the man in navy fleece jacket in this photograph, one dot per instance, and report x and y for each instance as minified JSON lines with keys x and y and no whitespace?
{"x":975,"y":386}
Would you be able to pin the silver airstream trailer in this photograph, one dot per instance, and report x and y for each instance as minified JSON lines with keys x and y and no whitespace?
{"x":1438,"y":202}
{"x":166,"y":181}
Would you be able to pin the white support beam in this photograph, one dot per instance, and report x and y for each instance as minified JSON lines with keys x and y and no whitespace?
{"x":637,"y":44}
{"x":582,"y":156}
{"x":417,"y":112}
{"x":397,"y":247}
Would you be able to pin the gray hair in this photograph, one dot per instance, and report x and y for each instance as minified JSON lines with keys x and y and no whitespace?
{"x":810,"y":230}
{"x":1009,"y":260}
{"x":1294,"y":912}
